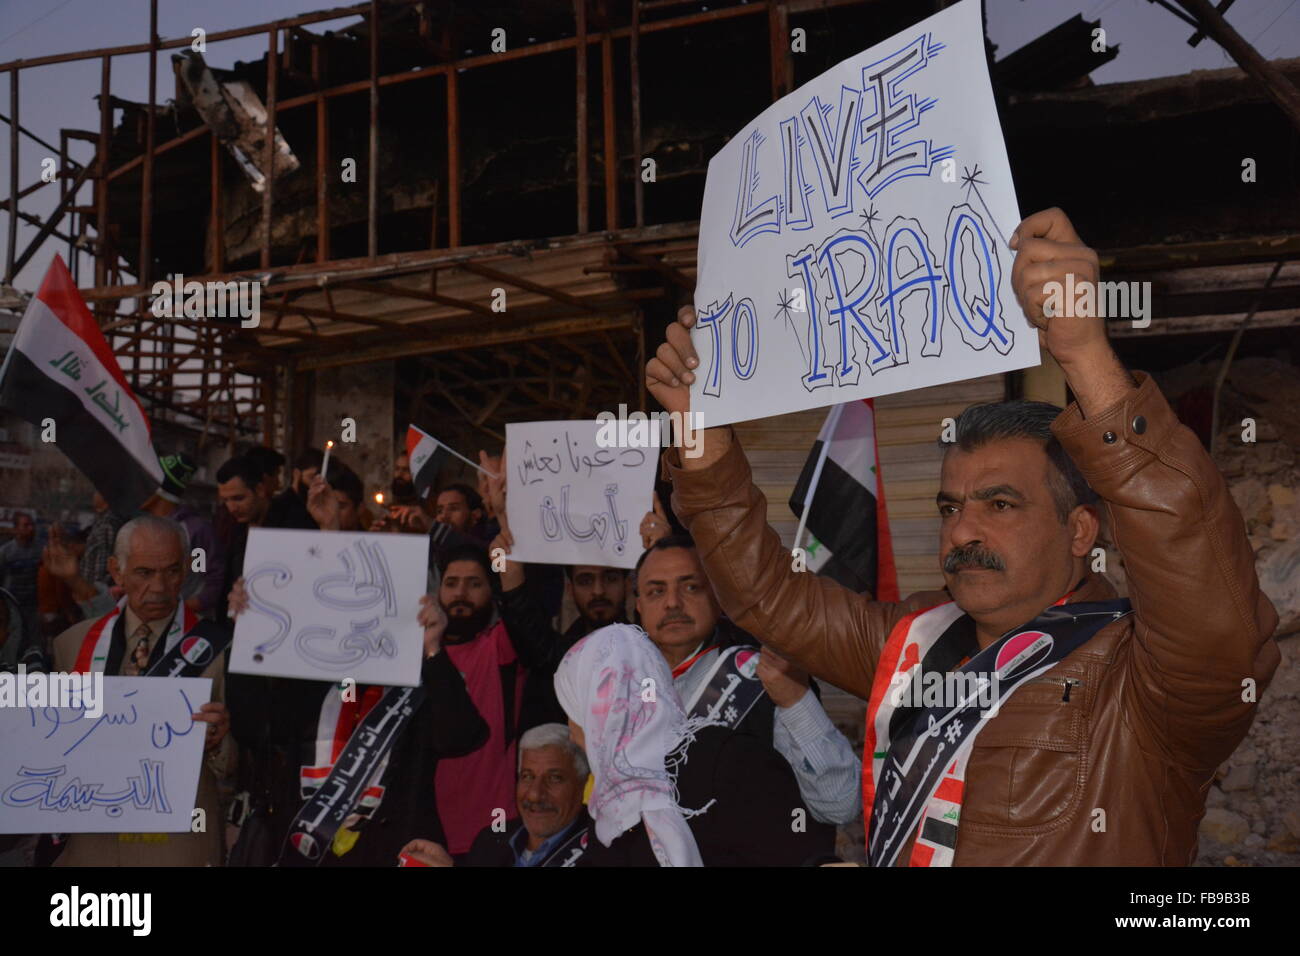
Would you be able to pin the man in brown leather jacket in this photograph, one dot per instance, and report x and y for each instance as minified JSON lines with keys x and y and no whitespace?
{"x":1105,"y":759}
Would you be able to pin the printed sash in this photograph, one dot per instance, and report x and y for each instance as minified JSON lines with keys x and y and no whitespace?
{"x":914,"y":775}
{"x":731,"y":689}
{"x":93,"y":654}
{"x":335,"y":726}
{"x":349,"y":780}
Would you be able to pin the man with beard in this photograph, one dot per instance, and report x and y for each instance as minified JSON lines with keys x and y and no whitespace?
{"x":403,"y":486}
{"x":1107,"y":720}
{"x":305,"y":469}
{"x":599,"y":594}
{"x":471,"y":789}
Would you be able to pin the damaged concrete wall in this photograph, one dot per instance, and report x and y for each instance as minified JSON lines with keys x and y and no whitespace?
{"x":363,"y":393}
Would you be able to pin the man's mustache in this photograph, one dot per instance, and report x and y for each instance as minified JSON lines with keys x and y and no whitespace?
{"x":972,"y":556}
{"x":540,"y":807}
{"x":675,"y":618}
{"x":455,"y":604}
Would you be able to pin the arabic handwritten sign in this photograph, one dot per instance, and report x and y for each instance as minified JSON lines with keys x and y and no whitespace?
{"x":132,"y":769}
{"x":571,"y":501}
{"x":331,"y":605}
{"x":853,"y":236}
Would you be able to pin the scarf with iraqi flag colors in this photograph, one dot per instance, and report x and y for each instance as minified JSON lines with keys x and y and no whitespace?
{"x":92,"y":656}
{"x":915,"y":757}
{"x":60,"y":367}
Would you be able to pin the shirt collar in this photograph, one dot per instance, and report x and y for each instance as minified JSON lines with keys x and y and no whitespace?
{"x":518,"y":842}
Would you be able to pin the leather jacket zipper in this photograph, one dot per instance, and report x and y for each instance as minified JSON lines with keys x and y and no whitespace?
{"x":1069,"y":684}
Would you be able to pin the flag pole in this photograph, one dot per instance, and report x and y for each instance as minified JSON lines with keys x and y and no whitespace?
{"x":467,"y":461}
{"x":828,"y":429}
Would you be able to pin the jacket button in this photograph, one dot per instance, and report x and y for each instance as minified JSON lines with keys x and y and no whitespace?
{"x":1108,"y":438}
{"x":1139,"y":425}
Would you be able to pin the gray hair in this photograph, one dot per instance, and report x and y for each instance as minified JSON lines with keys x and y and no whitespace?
{"x":156,"y":525}
{"x":993,"y":421}
{"x":554,"y":735}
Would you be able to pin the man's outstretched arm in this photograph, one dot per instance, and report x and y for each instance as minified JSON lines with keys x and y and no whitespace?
{"x":829,"y":631}
{"x":1204,"y":627}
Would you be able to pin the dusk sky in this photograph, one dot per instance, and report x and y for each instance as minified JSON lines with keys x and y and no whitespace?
{"x":1152,"y":43}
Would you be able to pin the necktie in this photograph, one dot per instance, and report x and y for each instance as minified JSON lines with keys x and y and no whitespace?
{"x":137,"y":660}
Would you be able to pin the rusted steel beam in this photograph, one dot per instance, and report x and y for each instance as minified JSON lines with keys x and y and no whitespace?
{"x":453,"y":161}
{"x":13,"y":177}
{"x":319,"y":313}
{"x":634,"y":66}
{"x":611,"y":130}
{"x":268,"y":182}
{"x":318,"y":65}
{"x":778,"y":24}
{"x":388,"y":288}
{"x":54,"y":218}
{"x":676,"y":276}
{"x":102,"y":252}
{"x":522,"y":283}
{"x":372,"y":199}
{"x":216,"y":214}
{"x":144,"y":270}
{"x":309,"y":275}
{"x":580,"y":12}
{"x":475,"y":339}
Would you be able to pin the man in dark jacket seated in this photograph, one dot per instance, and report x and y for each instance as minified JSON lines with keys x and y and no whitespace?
{"x":552,"y":828}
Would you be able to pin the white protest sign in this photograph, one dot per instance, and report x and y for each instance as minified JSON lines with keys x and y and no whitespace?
{"x":330,"y":605}
{"x":574,"y":498}
{"x":853,"y":236}
{"x":132,"y":769}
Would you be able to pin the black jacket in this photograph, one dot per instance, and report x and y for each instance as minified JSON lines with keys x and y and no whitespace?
{"x":541,"y":648}
{"x":493,"y":849}
{"x":753,"y":821}
{"x":277,"y":734}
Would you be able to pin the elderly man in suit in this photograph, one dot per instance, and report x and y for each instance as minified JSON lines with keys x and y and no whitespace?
{"x":150,"y":558}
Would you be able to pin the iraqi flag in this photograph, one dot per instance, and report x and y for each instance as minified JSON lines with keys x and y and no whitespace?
{"x":848,"y":527}
{"x":59,"y":366}
{"x":427,"y":455}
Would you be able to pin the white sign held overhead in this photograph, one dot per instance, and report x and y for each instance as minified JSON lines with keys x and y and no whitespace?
{"x":853,"y":236}
{"x":134,"y":768}
{"x":571,"y":498}
{"x":330,"y":605}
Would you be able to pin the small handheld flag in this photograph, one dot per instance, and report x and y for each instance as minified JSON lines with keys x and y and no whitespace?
{"x":427,"y":456}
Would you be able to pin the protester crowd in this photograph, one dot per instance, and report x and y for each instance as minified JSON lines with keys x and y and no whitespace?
{"x":490,"y":771}
{"x":674,"y":721}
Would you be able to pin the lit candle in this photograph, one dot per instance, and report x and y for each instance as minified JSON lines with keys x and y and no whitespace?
{"x":325,"y":464}
{"x":379,"y":498}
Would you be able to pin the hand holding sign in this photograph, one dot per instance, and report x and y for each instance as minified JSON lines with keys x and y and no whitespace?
{"x":668,"y":374}
{"x":1048,"y":250}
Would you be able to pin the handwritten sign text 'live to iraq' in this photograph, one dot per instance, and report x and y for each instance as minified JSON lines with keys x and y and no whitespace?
{"x":853,"y":236}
